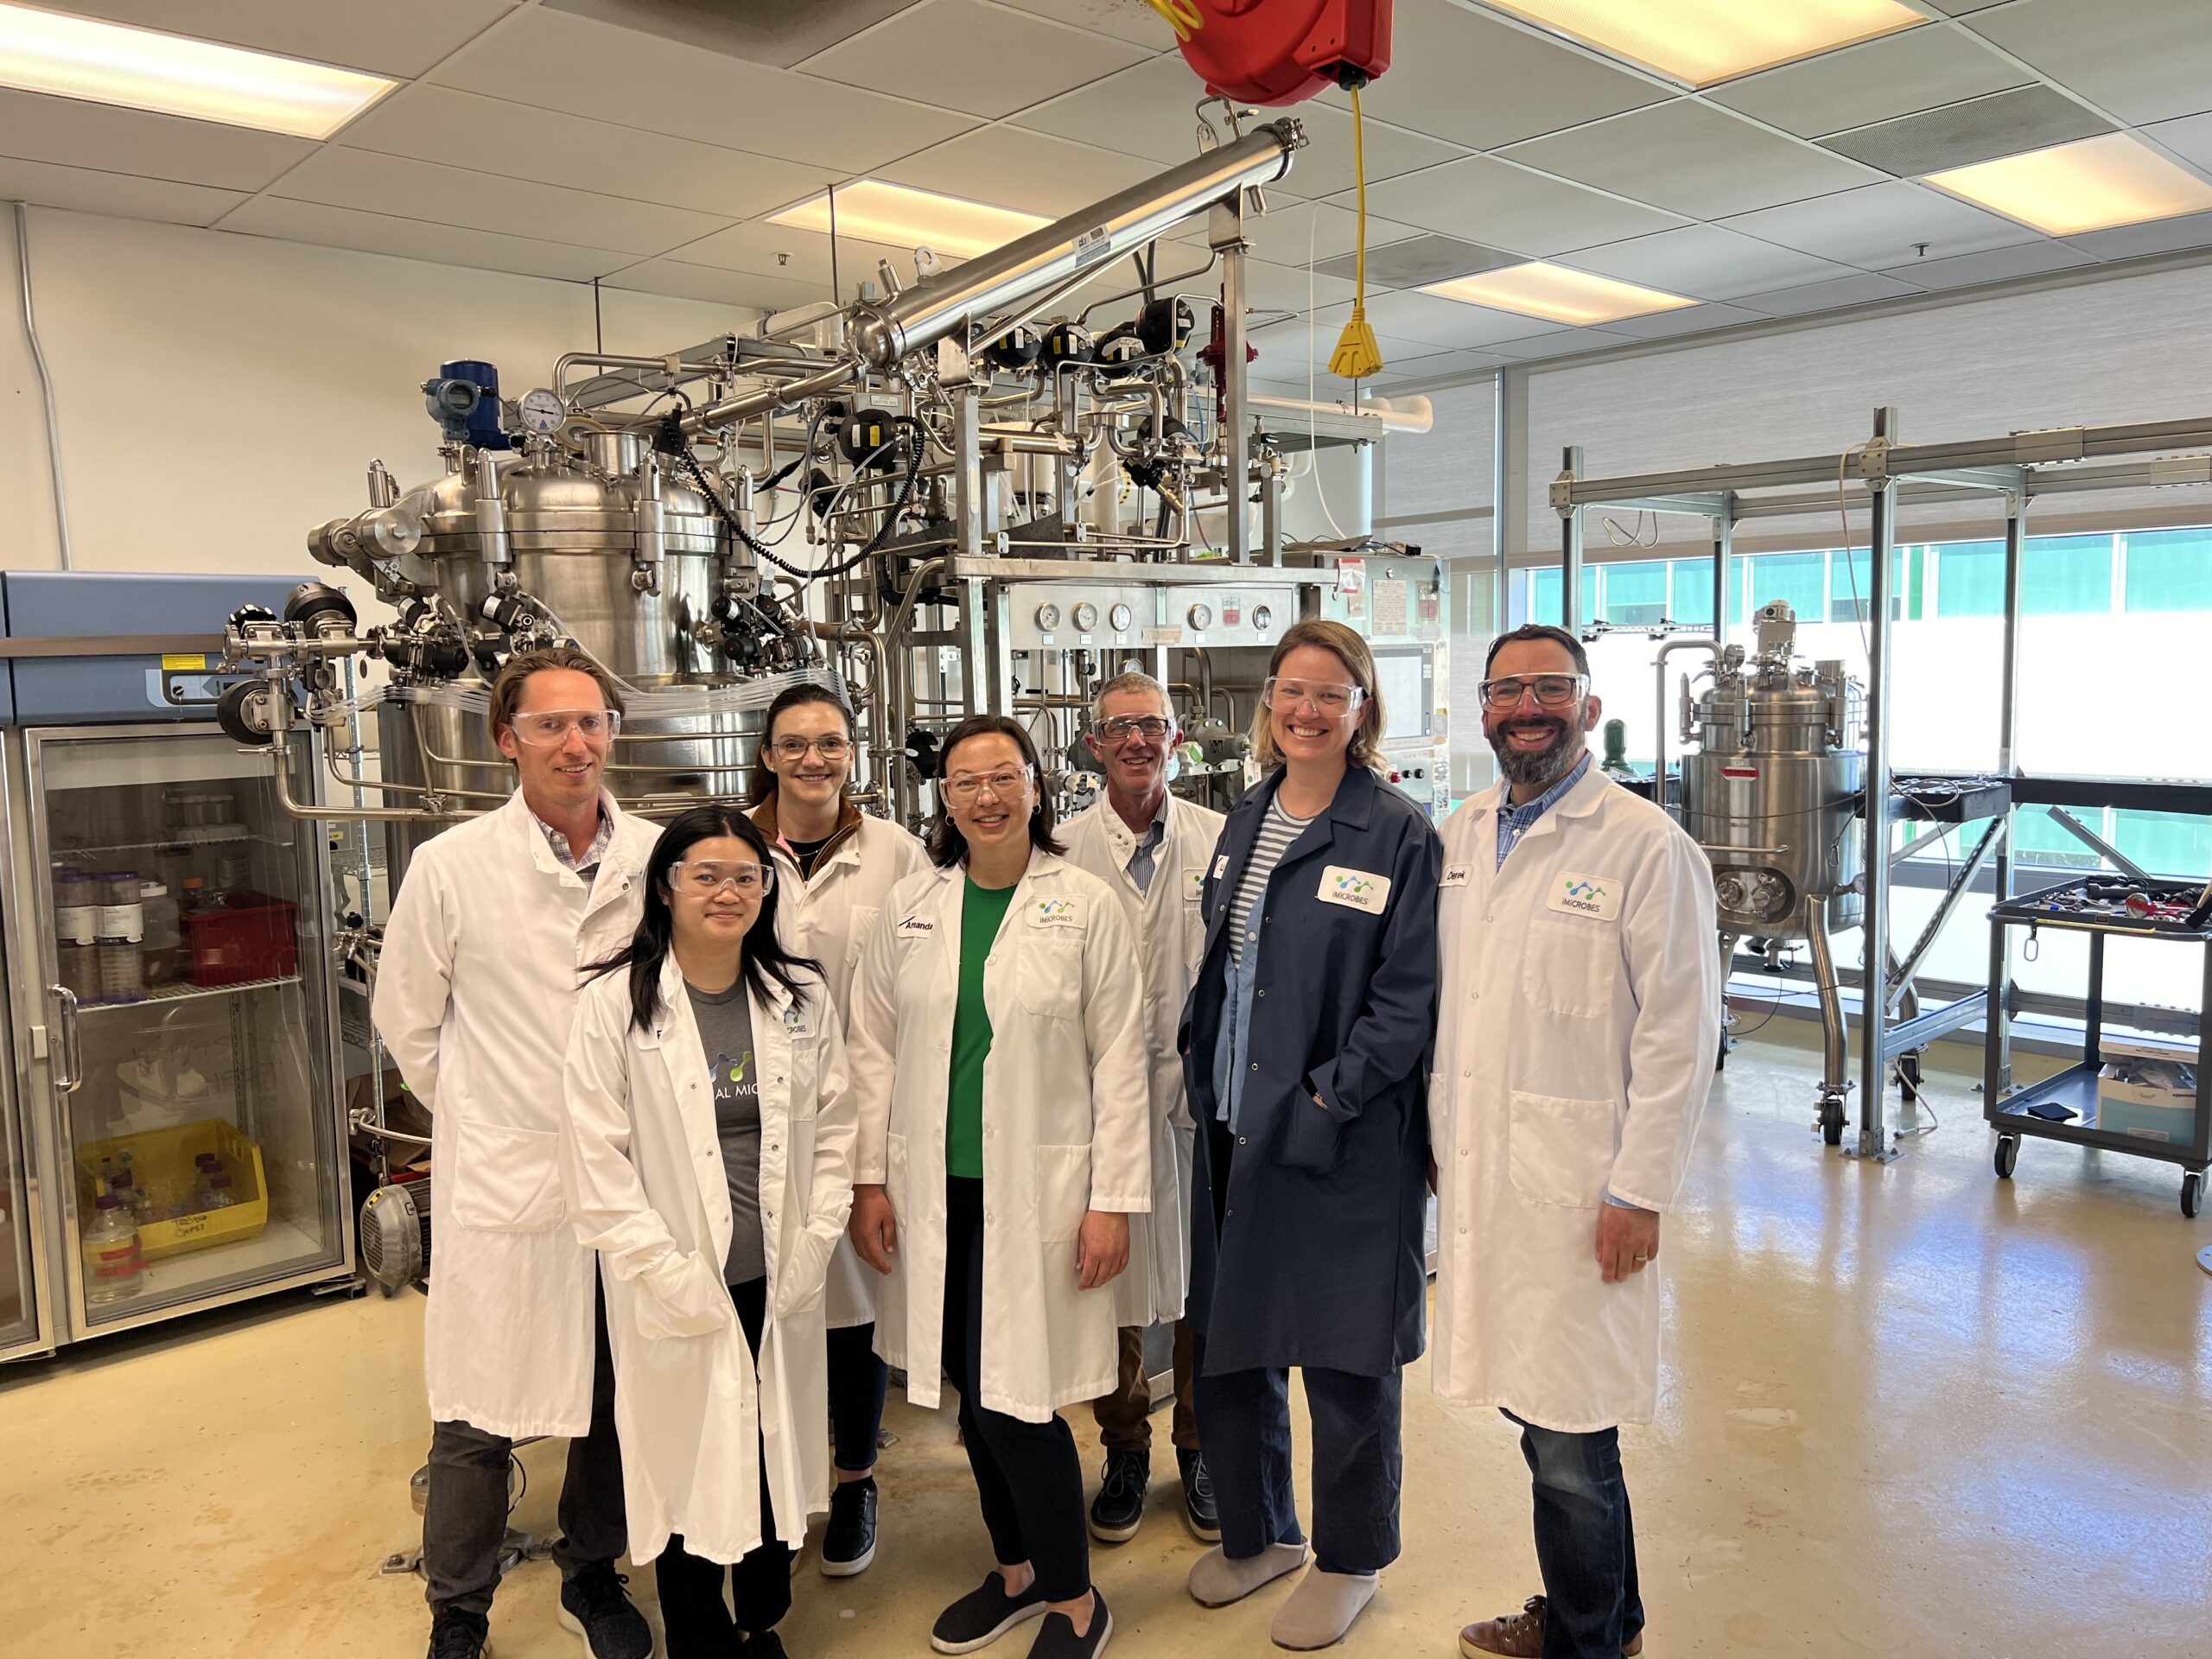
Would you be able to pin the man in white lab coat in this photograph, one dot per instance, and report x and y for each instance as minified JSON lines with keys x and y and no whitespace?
{"x":1580,"y":1013}
{"x":477,"y":985}
{"x":1152,"y":849}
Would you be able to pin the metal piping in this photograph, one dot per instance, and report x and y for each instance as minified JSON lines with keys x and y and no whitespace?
{"x":46,"y":388}
{"x":929,"y":311}
{"x":1659,"y":767}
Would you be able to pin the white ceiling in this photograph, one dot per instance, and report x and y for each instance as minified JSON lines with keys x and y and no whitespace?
{"x":644,"y":143}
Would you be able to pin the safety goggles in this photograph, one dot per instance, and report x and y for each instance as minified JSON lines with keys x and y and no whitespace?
{"x":703,"y":878}
{"x":1552,"y":690}
{"x":965,"y":788}
{"x":1334,"y":701}
{"x":545,"y":728}
{"x":792,"y":750}
{"x":1119,"y":729}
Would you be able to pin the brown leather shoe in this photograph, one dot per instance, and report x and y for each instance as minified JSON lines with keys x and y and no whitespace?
{"x":1521,"y":1636}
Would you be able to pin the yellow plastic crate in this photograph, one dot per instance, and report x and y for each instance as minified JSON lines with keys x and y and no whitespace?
{"x":164,"y":1164}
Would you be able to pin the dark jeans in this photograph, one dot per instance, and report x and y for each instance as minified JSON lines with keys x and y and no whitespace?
{"x":698,"y":1621}
{"x":857,"y":1380}
{"x":1125,"y":1415}
{"x":1027,"y":1475}
{"x":1585,"y":1542}
{"x":465,"y":1511}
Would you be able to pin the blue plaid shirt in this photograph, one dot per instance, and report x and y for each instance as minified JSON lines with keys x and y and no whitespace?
{"x":1514,"y":822}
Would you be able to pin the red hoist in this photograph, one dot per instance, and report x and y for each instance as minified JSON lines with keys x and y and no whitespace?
{"x":1278,"y":52}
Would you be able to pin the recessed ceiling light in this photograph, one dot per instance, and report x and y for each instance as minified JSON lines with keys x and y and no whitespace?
{"x":143,"y":69}
{"x":2092,"y":184}
{"x":902,"y":217}
{"x":1557,"y":294}
{"x":1701,"y":41}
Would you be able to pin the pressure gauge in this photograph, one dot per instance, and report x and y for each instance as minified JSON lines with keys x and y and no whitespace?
{"x":1085,"y":616}
{"x":1200,"y":618}
{"x":1262,"y":616}
{"x":542,"y":411}
{"x":1121,"y":616}
{"x":1048,"y":617}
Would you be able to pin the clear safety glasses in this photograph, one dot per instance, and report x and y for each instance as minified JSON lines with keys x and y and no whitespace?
{"x":1334,"y":701}
{"x":545,"y":728}
{"x":966,"y":788}
{"x":1552,"y":690}
{"x":706,"y":877}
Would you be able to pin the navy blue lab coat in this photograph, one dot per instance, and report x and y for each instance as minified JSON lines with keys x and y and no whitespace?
{"x":1322,"y":1261}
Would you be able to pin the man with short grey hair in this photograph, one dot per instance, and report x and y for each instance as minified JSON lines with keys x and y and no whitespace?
{"x":1151,"y":848}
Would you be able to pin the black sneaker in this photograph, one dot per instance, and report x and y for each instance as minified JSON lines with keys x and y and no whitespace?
{"x":1118,"y":1511}
{"x":848,"y":1543}
{"x":458,"y":1635}
{"x":983,"y":1615}
{"x":594,"y":1606}
{"x":1055,"y":1638}
{"x":1199,"y":1512}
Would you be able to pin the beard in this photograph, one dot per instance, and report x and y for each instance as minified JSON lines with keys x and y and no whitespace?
{"x":1539,"y":766}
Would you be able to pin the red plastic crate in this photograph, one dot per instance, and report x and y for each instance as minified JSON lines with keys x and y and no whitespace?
{"x":253,"y":937}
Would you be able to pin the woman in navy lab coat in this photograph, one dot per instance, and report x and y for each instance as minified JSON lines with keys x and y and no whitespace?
{"x":1306,"y":1042}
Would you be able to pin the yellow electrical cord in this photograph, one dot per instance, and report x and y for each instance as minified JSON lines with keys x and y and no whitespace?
{"x":1183,"y":15}
{"x":1357,"y":356}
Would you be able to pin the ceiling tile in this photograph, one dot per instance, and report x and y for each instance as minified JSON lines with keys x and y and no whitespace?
{"x":2158,"y":236}
{"x":1895,"y":74}
{"x":560,"y":62}
{"x":760,"y":31}
{"x":108,"y":139}
{"x":1439,"y":323}
{"x":934,"y":49}
{"x":44,"y":184}
{"x":1960,"y":8}
{"x":2029,"y":259}
{"x":1691,"y":320}
{"x":405,"y":188}
{"x":1478,"y":80}
{"x":1026,"y":171}
{"x":1294,"y":232}
{"x":1134,"y":21}
{"x":392,"y":38}
{"x":1883,"y":225}
{"x":1860,"y":288}
{"x":1147,"y":109}
{"x":1506,"y":207}
{"x":2191,"y":138}
{"x":1325,"y":166}
{"x":760,"y":249}
{"x":437,"y":123}
{"x":1560,"y":342}
{"x":1418,"y":260}
{"x":2137,"y":60}
{"x":414,"y":238}
{"x":1276,"y":287}
{"x":1446,"y":365}
{"x":1978,"y":129}
{"x":1692,"y":158}
{"x":734,"y":288}
{"x":1704,"y":261}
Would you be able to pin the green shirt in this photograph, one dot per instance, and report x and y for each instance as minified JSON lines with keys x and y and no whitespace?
{"x":982,"y":910}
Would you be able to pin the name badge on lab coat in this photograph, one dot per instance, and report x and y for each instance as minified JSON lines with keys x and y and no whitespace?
{"x":1221,"y":867}
{"x":1456,"y":875}
{"x":1595,"y":896}
{"x":798,"y":1024}
{"x":916,"y":927}
{"x":1056,"y":912}
{"x":1355,"y":889}
{"x":1196,"y":889}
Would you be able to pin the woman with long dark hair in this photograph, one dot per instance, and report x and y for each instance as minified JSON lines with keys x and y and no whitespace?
{"x":835,"y":864}
{"x":999,"y":1070}
{"x":706,"y":1154}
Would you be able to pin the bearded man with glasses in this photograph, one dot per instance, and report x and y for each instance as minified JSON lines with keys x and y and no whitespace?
{"x":1579,"y":1015}
{"x":477,"y":987}
{"x":1152,"y":849}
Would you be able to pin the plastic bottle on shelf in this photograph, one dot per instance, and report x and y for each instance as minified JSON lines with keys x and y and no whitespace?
{"x":76,"y":926}
{"x":163,"y":943}
{"x":219,"y":1195}
{"x":203,"y":1190}
{"x":115,"y":1267}
{"x":122,"y":928}
{"x":141,"y":1208}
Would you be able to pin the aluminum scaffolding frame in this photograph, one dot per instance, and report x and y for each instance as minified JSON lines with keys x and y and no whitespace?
{"x":1886,"y":475}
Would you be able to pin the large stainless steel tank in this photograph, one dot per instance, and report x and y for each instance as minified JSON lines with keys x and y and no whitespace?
{"x":1772,"y":793}
{"x":572,"y":531}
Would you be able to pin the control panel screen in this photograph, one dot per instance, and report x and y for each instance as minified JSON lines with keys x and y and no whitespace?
{"x":1403,"y":677}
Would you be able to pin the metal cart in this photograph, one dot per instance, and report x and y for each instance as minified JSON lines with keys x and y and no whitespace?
{"x":2076,"y":1087}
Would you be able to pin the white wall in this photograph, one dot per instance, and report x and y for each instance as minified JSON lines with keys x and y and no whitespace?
{"x":222,"y":395}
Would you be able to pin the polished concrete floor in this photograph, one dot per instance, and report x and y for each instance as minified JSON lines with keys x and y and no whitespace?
{"x":1908,"y":1410}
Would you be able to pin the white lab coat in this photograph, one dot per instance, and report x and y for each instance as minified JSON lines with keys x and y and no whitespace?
{"x":641,"y":1167}
{"x":1579,"y":1016}
{"x":828,"y":918}
{"x":1171,"y":930}
{"x":476,"y":989}
{"x":1064,"y":1113}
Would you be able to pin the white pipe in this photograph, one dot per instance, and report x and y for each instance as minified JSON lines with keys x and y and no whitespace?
{"x":1402,"y":414}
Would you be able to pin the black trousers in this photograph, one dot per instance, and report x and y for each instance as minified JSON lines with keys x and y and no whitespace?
{"x":465,"y":1511}
{"x":1028,"y":1476}
{"x":857,"y":1381}
{"x":1358,"y":1456}
{"x":698,"y":1621}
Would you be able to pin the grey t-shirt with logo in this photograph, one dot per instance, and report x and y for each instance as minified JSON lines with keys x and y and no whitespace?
{"x":725,"y":1021}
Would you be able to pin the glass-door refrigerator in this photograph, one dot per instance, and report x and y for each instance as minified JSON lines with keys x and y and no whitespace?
{"x":178,"y":1115}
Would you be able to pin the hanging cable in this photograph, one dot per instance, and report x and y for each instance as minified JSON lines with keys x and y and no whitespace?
{"x":1183,"y":15}
{"x":1357,"y":356}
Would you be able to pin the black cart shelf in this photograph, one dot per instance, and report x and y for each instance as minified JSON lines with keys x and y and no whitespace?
{"x":2077,"y":1086}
